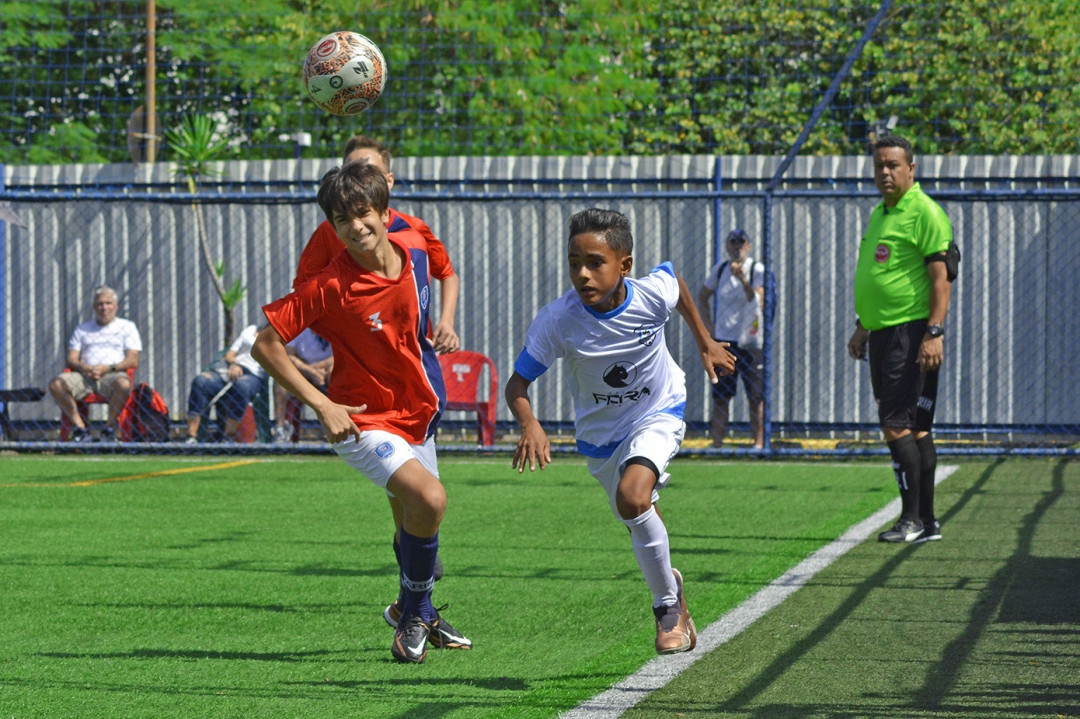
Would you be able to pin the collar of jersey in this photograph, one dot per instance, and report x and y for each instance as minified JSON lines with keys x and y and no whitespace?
{"x":907,"y":199}
{"x":397,"y":224}
{"x":612,"y":313}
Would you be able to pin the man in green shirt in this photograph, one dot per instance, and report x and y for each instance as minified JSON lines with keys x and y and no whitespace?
{"x":907,"y":262}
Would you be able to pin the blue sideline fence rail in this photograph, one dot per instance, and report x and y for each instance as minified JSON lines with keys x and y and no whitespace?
{"x":1010,"y":359}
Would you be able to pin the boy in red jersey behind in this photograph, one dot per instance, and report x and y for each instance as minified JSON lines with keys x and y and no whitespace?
{"x":324,"y":245}
{"x":386,"y":393}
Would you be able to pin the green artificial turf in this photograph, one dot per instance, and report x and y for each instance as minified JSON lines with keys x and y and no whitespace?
{"x":136,"y":587}
{"x":985,"y":623}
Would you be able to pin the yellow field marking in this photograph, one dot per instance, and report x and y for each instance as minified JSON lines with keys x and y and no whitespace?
{"x":145,"y":475}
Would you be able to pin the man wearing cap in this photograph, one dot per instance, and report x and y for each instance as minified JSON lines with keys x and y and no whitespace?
{"x":738,"y":283}
{"x":907,"y":261}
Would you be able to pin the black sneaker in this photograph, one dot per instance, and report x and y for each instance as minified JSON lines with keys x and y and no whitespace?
{"x":80,"y":435}
{"x":107,"y":435}
{"x":905,"y":530}
{"x":410,"y":640}
{"x":931,"y":532}
{"x":444,"y":636}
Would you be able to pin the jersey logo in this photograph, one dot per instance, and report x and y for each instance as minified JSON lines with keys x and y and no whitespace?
{"x":384,"y":450}
{"x":376,"y":323}
{"x":424,"y":297}
{"x":620,"y":374}
{"x":617,"y":399}
{"x":646,"y":334}
{"x":881,"y":254}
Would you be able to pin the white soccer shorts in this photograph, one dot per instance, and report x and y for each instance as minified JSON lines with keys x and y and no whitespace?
{"x":378,"y":454}
{"x":656,"y":438}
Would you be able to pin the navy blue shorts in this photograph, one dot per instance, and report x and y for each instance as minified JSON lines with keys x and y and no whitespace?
{"x":906,"y":396}
{"x":750,"y":365}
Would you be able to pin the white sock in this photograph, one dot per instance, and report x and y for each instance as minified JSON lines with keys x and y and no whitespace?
{"x":653,"y":554}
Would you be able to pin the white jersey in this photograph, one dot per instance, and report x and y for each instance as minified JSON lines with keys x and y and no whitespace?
{"x":242,"y":347}
{"x":736,"y":319}
{"x":617,"y":362}
{"x":105,"y":344}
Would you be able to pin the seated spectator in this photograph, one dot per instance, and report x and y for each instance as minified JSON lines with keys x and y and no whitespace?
{"x":100,"y":352}
{"x":313,"y":356}
{"x":232,"y":382}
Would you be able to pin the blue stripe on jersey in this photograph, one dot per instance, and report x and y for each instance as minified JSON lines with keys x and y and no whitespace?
{"x":526,"y":366}
{"x":663,"y":267}
{"x":618,"y":310}
{"x":397,"y":224}
{"x":606,"y":450}
{"x":428,"y":357}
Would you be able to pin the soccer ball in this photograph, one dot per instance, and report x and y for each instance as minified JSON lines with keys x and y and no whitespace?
{"x":345,"y":73}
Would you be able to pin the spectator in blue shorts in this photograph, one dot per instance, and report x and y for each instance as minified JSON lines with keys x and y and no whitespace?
{"x":738,"y":283}
{"x":233,"y":381}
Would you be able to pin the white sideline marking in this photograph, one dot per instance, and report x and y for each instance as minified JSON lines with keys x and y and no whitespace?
{"x":661,"y":670}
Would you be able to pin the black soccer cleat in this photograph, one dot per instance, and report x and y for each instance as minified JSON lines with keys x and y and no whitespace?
{"x":410,"y":640}
{"x":931,"y":532}
{"x":444,"y":636}
{"x":905,"y":530}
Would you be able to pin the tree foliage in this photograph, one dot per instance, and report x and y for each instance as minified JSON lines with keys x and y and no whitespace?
{"x":473,"y":77}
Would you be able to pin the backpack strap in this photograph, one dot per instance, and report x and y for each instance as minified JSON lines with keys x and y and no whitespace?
{"x":720,"y":272}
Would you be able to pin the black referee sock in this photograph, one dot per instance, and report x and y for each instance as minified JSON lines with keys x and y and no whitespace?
{"x":927,"y":470}
{"x":906,"y":464}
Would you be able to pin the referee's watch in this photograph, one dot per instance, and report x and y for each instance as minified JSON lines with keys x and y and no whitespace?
{"x":935,"y":330}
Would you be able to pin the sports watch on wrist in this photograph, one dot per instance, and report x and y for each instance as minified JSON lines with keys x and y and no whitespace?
{"x":935,"y":330}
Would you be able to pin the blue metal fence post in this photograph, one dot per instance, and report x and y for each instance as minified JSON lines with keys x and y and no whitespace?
{"x":3,"y":286}
{"x":766,"y":325}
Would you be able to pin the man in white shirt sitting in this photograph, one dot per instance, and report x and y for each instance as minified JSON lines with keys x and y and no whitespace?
{"x":100,"y":352}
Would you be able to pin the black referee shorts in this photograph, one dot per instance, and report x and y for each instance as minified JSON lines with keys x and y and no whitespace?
{"x":906,"y":396}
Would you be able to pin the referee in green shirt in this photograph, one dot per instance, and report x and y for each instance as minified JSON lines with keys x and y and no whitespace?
{"x":907,"y":262}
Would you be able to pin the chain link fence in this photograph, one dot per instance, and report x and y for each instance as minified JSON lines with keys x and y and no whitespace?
{"x":93,"y":81}
{"x":1010,"y":354}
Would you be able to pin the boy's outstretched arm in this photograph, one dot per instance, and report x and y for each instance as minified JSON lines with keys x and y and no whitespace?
{"x":533,"y":446}
{"x":714,"y":355}
{"x":443,"y":337}
{"x":269,"y":351}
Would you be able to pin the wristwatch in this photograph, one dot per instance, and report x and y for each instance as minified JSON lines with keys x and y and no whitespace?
{"x":935,"y":330}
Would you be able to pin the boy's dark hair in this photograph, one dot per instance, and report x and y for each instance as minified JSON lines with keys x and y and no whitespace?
{"x":363,"y":142}
{"x":613,"y":226}
{"x":352,"y":190}
{"x":895,"y":141}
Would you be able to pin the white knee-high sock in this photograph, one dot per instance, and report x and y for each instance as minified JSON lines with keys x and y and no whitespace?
{"x":653,"y":553}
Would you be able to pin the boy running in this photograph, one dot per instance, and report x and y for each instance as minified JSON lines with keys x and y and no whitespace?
{"x":629,"y":394}
{"x":386,"y":395}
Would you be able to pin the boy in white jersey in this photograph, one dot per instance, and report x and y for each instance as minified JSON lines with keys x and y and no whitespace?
{"x":629,"y":394}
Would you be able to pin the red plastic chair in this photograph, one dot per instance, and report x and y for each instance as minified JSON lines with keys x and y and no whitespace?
{"x":84,"y":407}
{"x":462,"y":372}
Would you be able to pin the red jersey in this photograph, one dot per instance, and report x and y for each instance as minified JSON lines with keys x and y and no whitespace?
{"x":374,"y":325}
{"x":413,"y":232}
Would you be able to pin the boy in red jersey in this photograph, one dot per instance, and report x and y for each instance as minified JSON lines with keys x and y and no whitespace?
{"x":386,"y":392}
{"x":324,"y":245}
